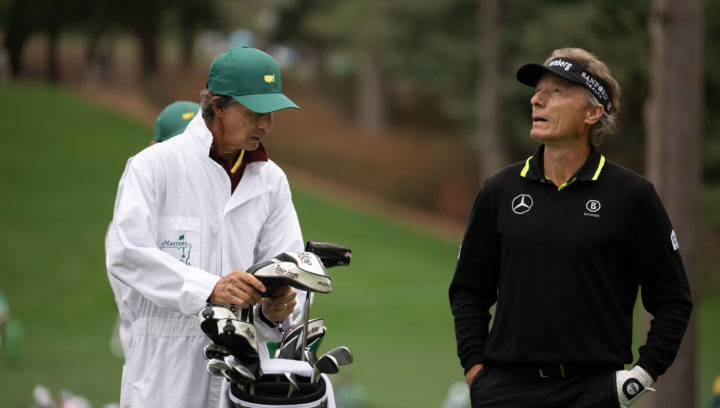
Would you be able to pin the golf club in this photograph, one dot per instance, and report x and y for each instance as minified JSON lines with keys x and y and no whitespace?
{"x":215,"y":366}
{"x":293,"y":383}
{"x":310,"y":356}
{"x":213,"y":350}
{"x":342,"y":355}
{"x":241,"y":373}
{"x":326,"y":364}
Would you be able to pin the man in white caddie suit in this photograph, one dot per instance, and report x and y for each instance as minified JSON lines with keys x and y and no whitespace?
{"x":191,"y":215}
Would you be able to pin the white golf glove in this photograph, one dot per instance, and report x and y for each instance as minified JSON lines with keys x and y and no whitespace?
{"x":631,"y":384}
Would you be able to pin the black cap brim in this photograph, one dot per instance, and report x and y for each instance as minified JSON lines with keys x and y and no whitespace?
{"x":530,"y":74}
{"x":570,"y":70}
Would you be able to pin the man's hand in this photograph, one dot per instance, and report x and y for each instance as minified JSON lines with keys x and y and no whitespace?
{"x":631,"y":384}
{"x":472,"y":372}
{"x":239,"y":288}
{"x":278,"y":307}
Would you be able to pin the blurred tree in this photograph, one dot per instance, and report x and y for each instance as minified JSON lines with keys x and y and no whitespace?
{"x":143,"y":19}
{"x":20,"y":22}
{"x":405,"y":46}
{"x":100,"y":22}
{"x":368,"y":41}
{"x":54,"y":15}
{"x":674,"y":122}
{"x":192,"y":15}
{"x":491,"y":154}
{"x":711,"y":63}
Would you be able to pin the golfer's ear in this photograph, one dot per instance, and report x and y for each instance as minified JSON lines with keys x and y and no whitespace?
{"x":593,"y":114}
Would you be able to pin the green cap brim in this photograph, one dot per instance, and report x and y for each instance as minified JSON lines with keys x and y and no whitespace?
{"x":264,"y":103}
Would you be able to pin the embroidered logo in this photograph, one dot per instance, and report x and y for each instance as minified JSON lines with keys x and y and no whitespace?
{"x":522,"y":204}
{"x":592,"y":207}
{"x":181,"y":245}
{"x":674,"y":241}
{"x":269,"y":78}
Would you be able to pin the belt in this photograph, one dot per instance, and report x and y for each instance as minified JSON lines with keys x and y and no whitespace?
{"x":557,"y":370}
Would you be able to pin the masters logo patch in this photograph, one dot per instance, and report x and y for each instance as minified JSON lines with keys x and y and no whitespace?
{"x":180,"y":246}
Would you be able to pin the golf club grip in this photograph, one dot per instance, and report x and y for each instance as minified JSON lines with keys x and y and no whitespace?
{"x":331,"y":254}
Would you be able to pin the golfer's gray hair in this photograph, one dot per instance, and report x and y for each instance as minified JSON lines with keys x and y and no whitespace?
{"x":607,"y":125}
{"x":209,"y":99}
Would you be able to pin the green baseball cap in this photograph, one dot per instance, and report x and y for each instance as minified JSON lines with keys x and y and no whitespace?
{"x":174,"y":119}
{"x":250,"y":76}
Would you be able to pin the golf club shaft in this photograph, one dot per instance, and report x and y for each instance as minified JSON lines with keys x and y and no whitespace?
{"x":306,"y":313}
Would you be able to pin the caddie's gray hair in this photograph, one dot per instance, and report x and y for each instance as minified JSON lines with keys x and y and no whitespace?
{"x":209,"y":99}
{"x":607,"y":125}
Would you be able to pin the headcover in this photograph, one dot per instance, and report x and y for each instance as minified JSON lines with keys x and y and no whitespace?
{"x":573,"y":71}
{"x":301,"y":270}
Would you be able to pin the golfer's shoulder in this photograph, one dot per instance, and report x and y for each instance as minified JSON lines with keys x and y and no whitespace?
{"x":623,"y":178}
{"x":508,"y":175}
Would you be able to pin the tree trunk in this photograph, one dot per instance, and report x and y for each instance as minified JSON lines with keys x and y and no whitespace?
{"x":147,"y":37}
{"x":370,"y":101}
{"x":53,"y":65}
{"x":17,"y":31}
{"x":491,"y":155}
{"x":674,"y":122}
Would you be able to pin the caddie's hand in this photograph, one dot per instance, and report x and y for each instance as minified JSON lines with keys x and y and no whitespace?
{"x":472,"y":372}
{"x":240,"y":288}
{"x":278,"y":307}
{"x":631,"y":384}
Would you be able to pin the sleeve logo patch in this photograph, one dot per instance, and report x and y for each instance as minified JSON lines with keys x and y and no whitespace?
{"x":674,"y":240}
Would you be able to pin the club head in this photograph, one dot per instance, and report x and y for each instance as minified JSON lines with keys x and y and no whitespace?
{"x":326,"y":364}
{"x":310,"y":356}
{"x":342,"y":355}
{"x":291,"y":344}
{"x":213,"y":350}
{"x":244,"y":383}
{"x":236,"y":365}
{"x":215,"y":366}
{"x":330,"y":253}
{"x":293,"y":383}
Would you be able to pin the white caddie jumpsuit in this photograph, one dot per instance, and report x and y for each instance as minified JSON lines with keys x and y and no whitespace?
{"x":176,"y":230}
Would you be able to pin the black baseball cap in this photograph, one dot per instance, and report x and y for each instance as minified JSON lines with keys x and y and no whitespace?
{"x":573,"y":71}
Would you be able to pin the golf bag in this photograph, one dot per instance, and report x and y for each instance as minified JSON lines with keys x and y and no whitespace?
{"x":298,"y":379}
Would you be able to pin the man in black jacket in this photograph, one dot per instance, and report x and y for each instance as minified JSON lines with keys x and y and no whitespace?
{"x":561,"y":243}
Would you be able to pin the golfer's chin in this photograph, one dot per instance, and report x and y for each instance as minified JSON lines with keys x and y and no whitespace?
{"x":252,"y":145}
{"x":540,"y":136}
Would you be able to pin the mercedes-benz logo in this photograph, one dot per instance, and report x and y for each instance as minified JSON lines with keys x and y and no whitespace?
{"x":522,"y":204}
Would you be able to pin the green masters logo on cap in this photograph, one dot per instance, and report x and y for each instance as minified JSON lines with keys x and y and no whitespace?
{"x":174,"y":119}
{"x":250,"y":76}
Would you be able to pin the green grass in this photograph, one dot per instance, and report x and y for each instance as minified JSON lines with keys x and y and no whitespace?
{"x":60,"y":161}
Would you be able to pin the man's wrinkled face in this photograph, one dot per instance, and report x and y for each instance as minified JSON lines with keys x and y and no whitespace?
{"x":242,"y":128}
{"x":560,"y":110}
